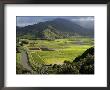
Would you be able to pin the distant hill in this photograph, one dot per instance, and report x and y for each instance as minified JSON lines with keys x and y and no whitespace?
{"x":57,"y":28}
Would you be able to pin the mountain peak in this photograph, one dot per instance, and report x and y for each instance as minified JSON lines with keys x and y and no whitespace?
{"x":60,"y":19}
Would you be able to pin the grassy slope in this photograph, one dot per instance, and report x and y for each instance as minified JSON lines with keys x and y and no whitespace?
{"x":18,"y":57}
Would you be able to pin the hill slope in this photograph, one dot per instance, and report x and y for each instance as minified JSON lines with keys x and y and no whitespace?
{"x":55,"y":28}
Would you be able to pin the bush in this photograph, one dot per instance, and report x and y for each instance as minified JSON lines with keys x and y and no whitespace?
{"x":24,"y":42}
{"x":18,"y":50}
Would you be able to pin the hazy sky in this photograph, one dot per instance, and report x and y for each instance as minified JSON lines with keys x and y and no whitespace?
{"x":29,"y":20}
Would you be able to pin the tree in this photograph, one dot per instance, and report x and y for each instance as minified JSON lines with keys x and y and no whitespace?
{"x":24,"y":42}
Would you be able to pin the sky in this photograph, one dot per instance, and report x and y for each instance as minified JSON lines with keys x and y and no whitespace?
{"x":86,"y":21}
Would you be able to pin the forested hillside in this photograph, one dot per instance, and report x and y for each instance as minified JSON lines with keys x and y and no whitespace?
{"x":57,"y":28}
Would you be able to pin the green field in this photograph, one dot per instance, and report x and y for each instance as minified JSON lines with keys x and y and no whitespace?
{"x":62,"y":50}
{"x":42,"y":55}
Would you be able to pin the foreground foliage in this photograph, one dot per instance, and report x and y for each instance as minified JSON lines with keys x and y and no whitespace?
{"x":83,"y":64}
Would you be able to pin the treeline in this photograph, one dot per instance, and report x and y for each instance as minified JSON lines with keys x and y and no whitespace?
{"x":83,"y":64}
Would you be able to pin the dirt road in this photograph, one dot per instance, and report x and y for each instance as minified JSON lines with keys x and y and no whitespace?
{"x":24,"y":61}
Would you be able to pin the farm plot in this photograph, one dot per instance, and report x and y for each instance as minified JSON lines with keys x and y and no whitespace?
{"x":63,"y":49}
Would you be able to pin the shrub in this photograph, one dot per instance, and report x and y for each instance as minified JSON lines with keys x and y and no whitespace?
{"x":24,"y":42}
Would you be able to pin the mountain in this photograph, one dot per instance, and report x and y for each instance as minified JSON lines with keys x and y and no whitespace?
{"x":57,"y":28}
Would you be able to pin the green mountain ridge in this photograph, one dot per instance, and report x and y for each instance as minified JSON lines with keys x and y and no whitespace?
{"x":58,"y":28}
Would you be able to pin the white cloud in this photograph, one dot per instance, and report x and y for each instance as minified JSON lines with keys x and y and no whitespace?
{"x":83,"y":19}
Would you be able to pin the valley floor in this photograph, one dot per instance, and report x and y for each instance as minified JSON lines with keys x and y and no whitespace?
{"x":50,"y":52}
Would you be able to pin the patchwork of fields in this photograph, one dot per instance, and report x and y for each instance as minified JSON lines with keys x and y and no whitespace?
{"x":50,"y":52}
{"x":57,"y":51}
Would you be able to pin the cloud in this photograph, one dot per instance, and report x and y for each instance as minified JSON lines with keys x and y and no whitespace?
{"x":86,"y":22}
{"x":29,"y":20}
{"x":83,"y":19}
